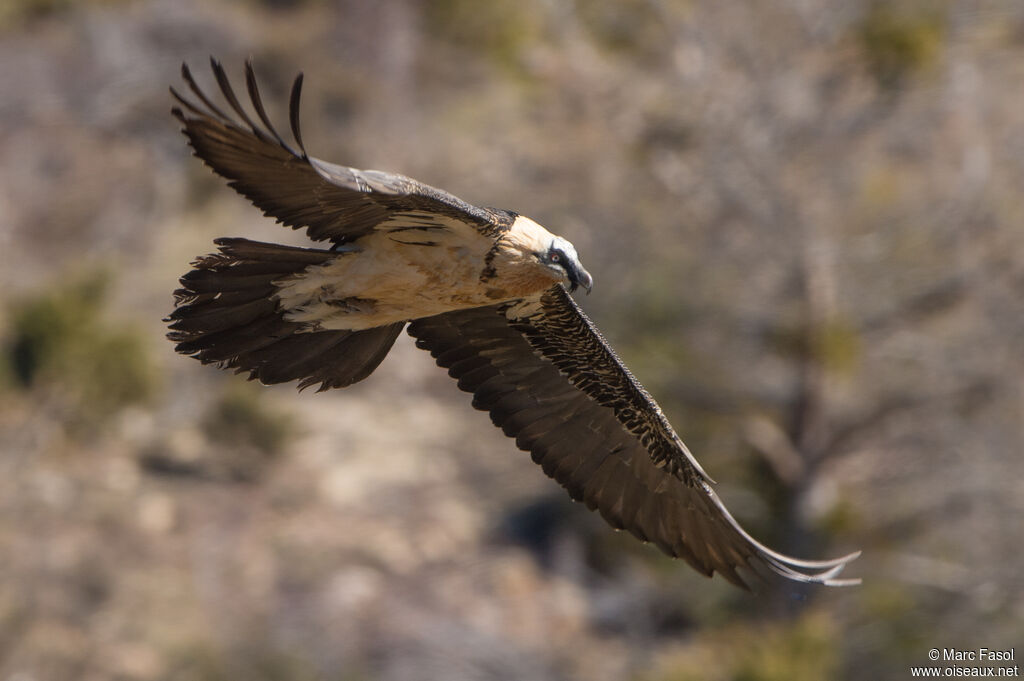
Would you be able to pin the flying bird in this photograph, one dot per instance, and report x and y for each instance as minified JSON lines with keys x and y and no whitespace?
{"x":486,"y":291}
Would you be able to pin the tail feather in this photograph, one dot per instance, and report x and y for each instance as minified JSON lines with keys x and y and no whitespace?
{"x":220,"y":347}
{"x":260,"y":253}
{"x":225,"y":314}
{"x":220,"y":315}
{"x":355,"y":354}
{"x":198,"y":282}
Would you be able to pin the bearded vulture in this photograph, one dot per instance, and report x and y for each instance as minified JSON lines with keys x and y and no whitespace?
{"x":484,"y":290}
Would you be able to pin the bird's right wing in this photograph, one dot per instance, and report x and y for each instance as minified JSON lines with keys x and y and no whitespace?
{"x":551,"y":382}
{"x":331,"y":202}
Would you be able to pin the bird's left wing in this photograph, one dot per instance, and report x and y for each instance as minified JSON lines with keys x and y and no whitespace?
{"x":332,"y":202}
{"x":551,"y":382}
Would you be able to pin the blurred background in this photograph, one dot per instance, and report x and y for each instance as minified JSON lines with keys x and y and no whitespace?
{"x":804,"y":219}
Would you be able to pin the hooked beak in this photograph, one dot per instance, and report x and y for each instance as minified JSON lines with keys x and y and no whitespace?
{"x":580,"y":277}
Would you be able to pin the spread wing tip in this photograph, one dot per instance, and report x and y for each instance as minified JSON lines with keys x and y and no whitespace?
{"x":293,"y":113}
{"x":264,"y":133}
{"x":824,"y":572}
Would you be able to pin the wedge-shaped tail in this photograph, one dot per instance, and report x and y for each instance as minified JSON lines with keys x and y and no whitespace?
{"x":227,"y":314}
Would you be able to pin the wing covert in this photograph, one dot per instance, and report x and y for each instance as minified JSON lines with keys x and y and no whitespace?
{"x":551,"y":382}
{"x":332,"y":202}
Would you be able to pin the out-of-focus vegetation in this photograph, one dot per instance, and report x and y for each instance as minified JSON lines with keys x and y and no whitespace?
{"x":251,"y":433}
{"x":901,"y":41}
{"x":62,"y":347}
{"x":804,"y":224}
{"x":238,"y":439}
{"x":239,"y":418}
{"x":499,"y":31}
{"x":15,"y":14}
{"x":804,"y":649}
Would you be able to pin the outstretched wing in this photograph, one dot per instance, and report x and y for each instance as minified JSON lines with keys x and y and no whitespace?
{"x":331,"y":202}
{"x":549,"y":380}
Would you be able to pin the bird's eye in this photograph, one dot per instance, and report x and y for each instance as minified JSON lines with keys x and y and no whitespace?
{"x":556,"y":257}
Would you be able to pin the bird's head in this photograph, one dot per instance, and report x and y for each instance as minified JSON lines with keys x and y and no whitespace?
{"x":562,"y":259}
{"x":529,"y":259}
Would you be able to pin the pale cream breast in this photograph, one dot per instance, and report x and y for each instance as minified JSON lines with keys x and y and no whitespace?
{"x":404,"y":272}
{"x":386,"y":281}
